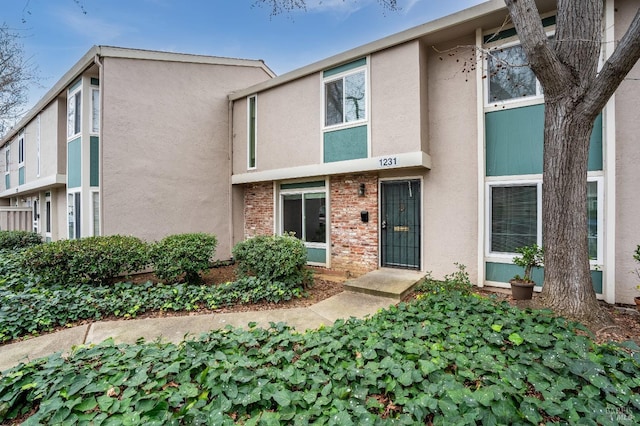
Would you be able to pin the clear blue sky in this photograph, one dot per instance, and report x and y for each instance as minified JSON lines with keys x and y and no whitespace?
{"x":58,"y":32}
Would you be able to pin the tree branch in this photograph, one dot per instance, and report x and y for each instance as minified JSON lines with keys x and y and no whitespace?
{"x":614,"y":70}
{"x":554,"y":76}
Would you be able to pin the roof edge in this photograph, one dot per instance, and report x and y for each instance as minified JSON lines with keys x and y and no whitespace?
{"x":405,"y":36}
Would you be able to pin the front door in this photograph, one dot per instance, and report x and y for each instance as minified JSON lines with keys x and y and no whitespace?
{"x":400,"y":223}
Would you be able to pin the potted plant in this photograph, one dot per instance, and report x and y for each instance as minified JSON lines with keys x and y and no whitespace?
{"x":529,"y":257}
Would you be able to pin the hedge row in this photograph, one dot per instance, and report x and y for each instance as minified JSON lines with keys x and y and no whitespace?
{"x":98,"y":260}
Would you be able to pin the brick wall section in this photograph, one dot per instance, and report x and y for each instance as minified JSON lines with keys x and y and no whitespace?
{"x":258,"y":209}
{"x":354,"y":244}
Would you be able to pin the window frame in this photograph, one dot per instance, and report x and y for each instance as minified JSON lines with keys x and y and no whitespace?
{"x":252,"y":131}
{"x":95,"y":214}
{"x":21,"y":147}
{"x":302,"y":192}
{"x":508,"y":257}
{"x":342,"y":76}
{"x":74,"y":97}
{"x":95,"y":110}
{"x":74,"y":199}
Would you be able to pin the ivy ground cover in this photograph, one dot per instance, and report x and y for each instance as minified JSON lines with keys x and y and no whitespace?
{"x":444,"y":359}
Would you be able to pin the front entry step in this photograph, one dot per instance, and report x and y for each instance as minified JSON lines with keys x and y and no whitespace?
{"x":385,"y":282}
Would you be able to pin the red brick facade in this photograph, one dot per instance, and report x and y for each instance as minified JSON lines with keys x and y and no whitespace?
{"x":258,"y":209}
{"x":354,"y":244}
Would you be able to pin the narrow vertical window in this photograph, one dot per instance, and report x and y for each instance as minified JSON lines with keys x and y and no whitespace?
{"x":7,"y":162}
{"x":48,"y":217}
{"x":21,"y":149}
{"x":95,"y":206}
{"x":38,"y":129}
{"x":74,"y":109}
{"x":252,"y":116}
{"x":95,"y":110}
{"x":73,"y":211}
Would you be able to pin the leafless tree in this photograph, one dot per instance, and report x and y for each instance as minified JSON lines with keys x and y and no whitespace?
{"x":16,"y":73}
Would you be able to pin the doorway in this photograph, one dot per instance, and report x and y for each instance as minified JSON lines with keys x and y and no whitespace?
{"x":400,"y":226}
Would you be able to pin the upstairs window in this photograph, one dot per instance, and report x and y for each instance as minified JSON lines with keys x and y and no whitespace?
{"x":95,"y":110}
{"x":21,"y":150}
{"x":74,"y":113}
{"x":510,"y":76}
{"x":345,"y":98}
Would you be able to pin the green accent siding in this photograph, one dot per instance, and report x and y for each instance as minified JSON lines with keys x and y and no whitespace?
{"x":7,"y":181}
{"x":300,"y":185}
{"x":595,"y":147}
{"x":316,"y":255}
{"x":345,"y":144}
{"x":503,"y":272}
{"x":94,"y":158}
{"x":21,"y":176}
{"x":514,"y":141}
{"x":345,"y":67}
{"x":74,"y":163}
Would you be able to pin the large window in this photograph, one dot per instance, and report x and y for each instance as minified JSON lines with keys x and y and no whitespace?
{"x":345,"y":98}
{"x":74,"y":113}
{"x":305,"y":215}
{"x":514,"y":217}
{"x":252,"y":110}
{"x":509,"y":75}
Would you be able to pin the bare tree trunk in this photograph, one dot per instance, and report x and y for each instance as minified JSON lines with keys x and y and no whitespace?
{"x":568,"y":287}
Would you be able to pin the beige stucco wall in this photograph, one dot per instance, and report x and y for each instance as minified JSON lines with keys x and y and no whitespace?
{"x":165,"y":147}
{"x":395,"y":100}
{"x":627,"y":102}
{"x":451,"y":186}
{"x":288,"y":126}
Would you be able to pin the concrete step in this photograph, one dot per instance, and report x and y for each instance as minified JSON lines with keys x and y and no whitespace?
{"x":385,"y":282}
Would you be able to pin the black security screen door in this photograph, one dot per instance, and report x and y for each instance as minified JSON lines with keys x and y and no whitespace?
{"x":400,"y":224}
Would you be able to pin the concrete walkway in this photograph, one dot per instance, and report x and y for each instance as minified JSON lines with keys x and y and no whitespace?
{"x":359,"y":301}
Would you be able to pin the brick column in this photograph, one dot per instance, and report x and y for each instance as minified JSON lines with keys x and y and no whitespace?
{"x":258,"y":209}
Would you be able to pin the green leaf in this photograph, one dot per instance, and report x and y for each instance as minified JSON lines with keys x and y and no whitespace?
{"x":516,"y":339}
{"x":496,"y":328}
{"x":282,"y":397}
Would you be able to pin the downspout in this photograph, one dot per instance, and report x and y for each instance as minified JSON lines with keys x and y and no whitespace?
{"x":230,"y":162}
{"x":97,"y":59}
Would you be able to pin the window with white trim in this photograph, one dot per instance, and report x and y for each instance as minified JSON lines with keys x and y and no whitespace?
{"x":345,"y":98}
{"x":38,"y":130}
{"x":515,"y":216}
{"x":95,"y":110}
{"x":74,"y":113}
{"x":7,"y":167}
{"x":21,"y":150}
{"x":252,"y":131}
{"x":73,"y":215}
{"x":95,"y":212}
{"x":509,"y":75}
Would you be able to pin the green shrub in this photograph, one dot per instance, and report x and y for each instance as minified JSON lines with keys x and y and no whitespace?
{"x":180,"y":254}
{"x":16,"y":240}
{"x":280,"y":258}
{"x":94,"y":260}
{"x":457,"y":281}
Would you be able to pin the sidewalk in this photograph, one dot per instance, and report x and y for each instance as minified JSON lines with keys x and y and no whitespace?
{"x":357,"y":302}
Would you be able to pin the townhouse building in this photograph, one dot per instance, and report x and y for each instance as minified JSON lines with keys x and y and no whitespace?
{"x":422,"y":149}
{"x":414,"y":151}
{"x":129,"y":142}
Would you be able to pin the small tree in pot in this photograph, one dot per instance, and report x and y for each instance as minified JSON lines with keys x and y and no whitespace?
{"x":529,"y":257}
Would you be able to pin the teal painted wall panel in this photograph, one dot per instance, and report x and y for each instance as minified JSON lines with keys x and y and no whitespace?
{"x":94,"y":164}
{"x":345,"y":144}
{"x":21,"y":176}
{"x":316,"y":255}
{"x":74,"y":163}
{"x":7,"y":181}
{"x":301,"y":185}
{"x":514,"y":140}
{"x":345,"y":67}
{"x":595,"y":149}
{"x":503,"y":272}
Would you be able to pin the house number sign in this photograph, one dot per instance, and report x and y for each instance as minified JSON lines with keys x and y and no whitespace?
{"x":388,"y":161}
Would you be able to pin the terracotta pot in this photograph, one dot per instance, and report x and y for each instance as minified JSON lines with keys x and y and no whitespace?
{"x":637,"y":300}
{"x":521,"y":290}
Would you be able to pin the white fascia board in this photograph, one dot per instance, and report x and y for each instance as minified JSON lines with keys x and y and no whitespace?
{"x":386,"y":162}
{"x":39,"y":184}
{"x":408,"y":35}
